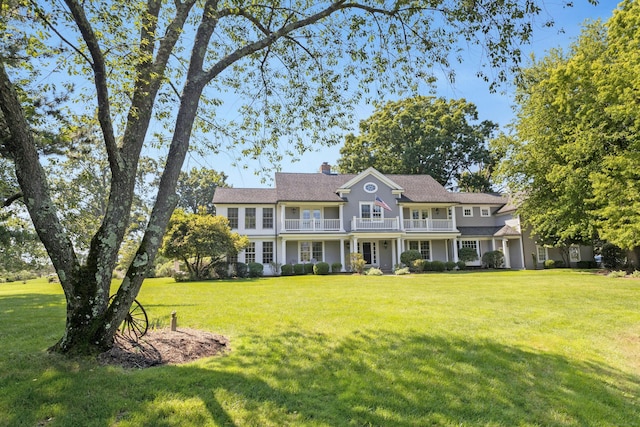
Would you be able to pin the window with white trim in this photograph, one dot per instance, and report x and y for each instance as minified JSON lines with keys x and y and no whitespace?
{"x":311,"y":251}
{"x":422,"y":246}
{"x":250,"y":253}
{"x":574,"y":253}
{"x":250,"y":218}
{"x":485,"y":212}
{"x":468,"y":212}
{"x":267,"y":252}
{"x":232,"y":216}
{"x":542,"y":254}
{"x":370,"y":187}
{"x":267,"y":218}
{"x":473,"y":244}
{"x":371,"y":211}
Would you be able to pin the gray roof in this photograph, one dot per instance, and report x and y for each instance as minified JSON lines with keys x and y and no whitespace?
{"x":320,"y":187}
{"x":499,"y":231}
{"x":245,"y":196}
{"x":480,"y":199}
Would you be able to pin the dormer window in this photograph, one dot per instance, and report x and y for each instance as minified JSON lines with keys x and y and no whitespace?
{"x":468,"y":212}
{"x":485,"y":212}
{"x":370,"y":187}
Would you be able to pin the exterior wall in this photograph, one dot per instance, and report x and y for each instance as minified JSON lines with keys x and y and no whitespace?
{"x":476,"y":220}
{"x":439,"y":250}
{"x":358,"y":194}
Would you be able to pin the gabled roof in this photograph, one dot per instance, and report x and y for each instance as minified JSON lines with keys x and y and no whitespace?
{"x":309,"y":187}
{"x":385,"y":179}
{"x":422,"y":189}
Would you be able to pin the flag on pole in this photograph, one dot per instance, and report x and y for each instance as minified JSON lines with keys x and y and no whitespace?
{"x":381,"y":203}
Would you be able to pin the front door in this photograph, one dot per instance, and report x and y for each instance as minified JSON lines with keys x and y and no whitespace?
{"x":368,"y":251}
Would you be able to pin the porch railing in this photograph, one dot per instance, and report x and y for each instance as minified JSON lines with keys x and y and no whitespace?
{"x":311,"y":225}
{"x":428,"y":225}
{"x":375,"y":224}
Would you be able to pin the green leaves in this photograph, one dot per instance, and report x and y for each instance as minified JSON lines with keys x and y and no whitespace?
{"x":423,"y":135}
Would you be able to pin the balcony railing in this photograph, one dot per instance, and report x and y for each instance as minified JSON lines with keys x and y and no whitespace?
{"x":311,"y":225}
{"x":375,"y":224}
{"x":428,"y":225}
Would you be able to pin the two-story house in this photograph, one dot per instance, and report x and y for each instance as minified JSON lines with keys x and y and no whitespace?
{"x":312,"y":217}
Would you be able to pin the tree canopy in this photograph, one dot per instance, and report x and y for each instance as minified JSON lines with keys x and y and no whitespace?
{"x":197,"y":187}
{"x":574,"y":155}
{"x":261,"y":79}
{"x":424,"y":135}
{"x":201,"y":241}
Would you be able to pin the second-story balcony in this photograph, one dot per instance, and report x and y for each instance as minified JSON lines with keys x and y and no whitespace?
{"x":364,"y":224}
{"x":428,"y":225}
{"x":311,"y":225}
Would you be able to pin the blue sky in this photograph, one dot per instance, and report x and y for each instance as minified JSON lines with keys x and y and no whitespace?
{"x":491,"y":106}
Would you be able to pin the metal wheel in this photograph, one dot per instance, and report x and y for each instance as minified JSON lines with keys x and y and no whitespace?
{"x":135,"y":323}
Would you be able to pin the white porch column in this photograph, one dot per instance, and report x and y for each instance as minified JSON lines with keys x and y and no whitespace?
{"x":283,"y":252}
{"x":401,"y":218}
{"x":342,"y":261}
{"x":454,"y":242}
{"x":283,"y":208}
{"x":393,"y":254}
{"x":341,"y":216}
{"x":493,"y":244}
{"x":446,"y":251}
{"x":399,"y":242}
{"x":505,"y":251}
{"x":453,"y":220}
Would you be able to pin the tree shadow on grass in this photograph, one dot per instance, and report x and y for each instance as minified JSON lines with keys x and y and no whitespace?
{"x":368,"y":378}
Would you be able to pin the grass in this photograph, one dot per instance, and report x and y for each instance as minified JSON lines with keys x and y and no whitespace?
{"x":527,"y":348}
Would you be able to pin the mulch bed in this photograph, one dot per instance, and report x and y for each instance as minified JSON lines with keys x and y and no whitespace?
{"x":164,"y":347}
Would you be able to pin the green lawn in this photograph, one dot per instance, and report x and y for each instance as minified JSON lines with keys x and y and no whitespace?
{"x":541,"y":348}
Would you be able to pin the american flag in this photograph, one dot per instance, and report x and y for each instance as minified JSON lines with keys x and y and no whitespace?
{"x":381,"y":203}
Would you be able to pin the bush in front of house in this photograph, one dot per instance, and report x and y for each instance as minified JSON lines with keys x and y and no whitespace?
{"x":493,"y":259}
{"x":256,"y":269}
{"x":549,"y":263}
{"x":409,"y":257}
{"x":467,"y":254}
{"x":461,"y":265}
{"x":427,"y":266}
{"x":242,"y":270}
{"x":357,"y":262}
{"x":586,"y":264}
{"x":298,"y":269}
{"x":336,"y":267}
{"x":401,"y":271}
{"x":450,"y":265}
{"x":308,"y":268}
{"x":321,"y":268}
{"x":438,"y":266}
{"x":612,"y":256}
{"x":286,"y":270}
{"x":418,"y":265}
{"x":374,"y":271}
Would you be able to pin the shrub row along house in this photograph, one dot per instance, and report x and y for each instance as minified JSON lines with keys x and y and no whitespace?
{"x":313,"y":217}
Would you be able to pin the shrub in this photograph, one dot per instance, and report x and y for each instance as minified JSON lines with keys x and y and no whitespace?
{"x":401,"y":271}
{"x":336,"y":267}
{"x":308,"y":268}
{"x":493,"y":259}
{"x":437,"y":266}
{"x":617,"y":273}
{"x":321,"y":268}
{"x":450,"y":265}
{"x":427,"y":266}
{"x":559,"y":264}
{"x":286,"y":270}
{"x":549,"y":263}
{"x":586,"y":264}
{"x":418,"y":265}
{"x":357,"y":262}
{"x":467,"y":254}
{"x":635,"y":274}
{"x":242,"y":270}
{"x":461,"y":265}
{"x":298,"y":269}
{"x":275,"y":267}
{"x":256,"y":269}
{"x":374,"y":271}
{"x":612,"y":256}
{"x":408,"y":258}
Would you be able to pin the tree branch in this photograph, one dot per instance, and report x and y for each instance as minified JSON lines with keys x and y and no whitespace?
{"x":11,"y":199}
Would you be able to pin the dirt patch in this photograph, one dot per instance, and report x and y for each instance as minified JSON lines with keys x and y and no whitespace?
{"x":164,"y":347}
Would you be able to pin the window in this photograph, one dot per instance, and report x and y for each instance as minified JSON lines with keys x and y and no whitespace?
{"x":422,"y":246}
{"x":485,"y":212}
{"x":232,"y":216}
{"x":370,"y":211}
{"x":311,"y":251}
{"x":419,"y":214}
{"x":250,"y":218}
{"x":467,"y":212}
{"x":542,"y":253}
{"x":267,"y":252}
{"x":250,"y":253}
{"x":267,"y":217}
{"x":370,"y":187}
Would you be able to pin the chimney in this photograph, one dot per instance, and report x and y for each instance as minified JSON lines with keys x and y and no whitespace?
{"x":325,"y":168}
